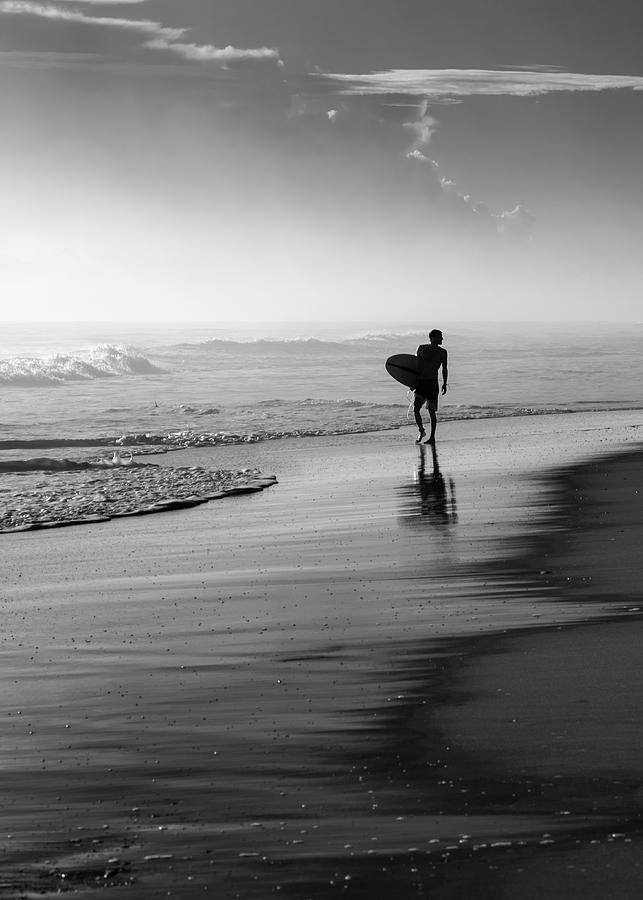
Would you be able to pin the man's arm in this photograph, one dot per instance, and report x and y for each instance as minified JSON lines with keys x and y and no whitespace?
{"x":445,"y":371}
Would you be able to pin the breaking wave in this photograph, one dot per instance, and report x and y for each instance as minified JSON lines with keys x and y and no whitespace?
{"x":104,"y":361}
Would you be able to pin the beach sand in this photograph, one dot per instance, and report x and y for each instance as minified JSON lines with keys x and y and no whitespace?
{"x":389,"y":675}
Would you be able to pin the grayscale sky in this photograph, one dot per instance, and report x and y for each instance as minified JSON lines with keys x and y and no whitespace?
{"x":321,"y":159}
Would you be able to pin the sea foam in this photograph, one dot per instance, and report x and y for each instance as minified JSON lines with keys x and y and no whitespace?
{"x":104,"y":361}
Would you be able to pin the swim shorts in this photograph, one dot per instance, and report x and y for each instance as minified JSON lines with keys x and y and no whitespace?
{"x":429,"y":390}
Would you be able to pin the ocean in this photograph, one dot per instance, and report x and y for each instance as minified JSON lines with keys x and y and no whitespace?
{"x":70,"y":390}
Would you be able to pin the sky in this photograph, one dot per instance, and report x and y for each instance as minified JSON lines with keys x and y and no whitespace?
{"x":315,"y":160}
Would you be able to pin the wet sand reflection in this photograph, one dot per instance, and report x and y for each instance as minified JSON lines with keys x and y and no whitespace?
{"x":430,"y":499}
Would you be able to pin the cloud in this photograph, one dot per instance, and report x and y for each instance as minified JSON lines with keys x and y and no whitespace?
{"x":57,"y":13}
{"x":417,"y":156}
{"x":435,"y":84}
{"x":106,"y":2}
{"x":161,"y":37}
{"x":359,"y":118}
{"x":453,"y":86}
{"x":316,"y":109}
{"x":517,"y":223}
{"x":209,"y":53}
{"x":423,"y":126}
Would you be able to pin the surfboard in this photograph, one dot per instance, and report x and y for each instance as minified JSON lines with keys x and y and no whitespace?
{"x":403,"y":367}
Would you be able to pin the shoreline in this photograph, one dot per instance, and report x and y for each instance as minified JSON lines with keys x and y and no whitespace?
{"x":176,"y":439}
{"x":253,"y":691}
{"x":45,"y":485}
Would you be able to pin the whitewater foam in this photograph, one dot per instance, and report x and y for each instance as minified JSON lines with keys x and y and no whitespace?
{"x":104,"y":361}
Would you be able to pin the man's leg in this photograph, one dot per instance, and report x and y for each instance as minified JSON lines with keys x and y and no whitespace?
{"x":434,"y":422}
{"x":417,"y":406}
{"x":432,"y":406}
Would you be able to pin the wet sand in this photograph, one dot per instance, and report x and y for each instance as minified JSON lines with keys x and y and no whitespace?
{"x":310,"y":689}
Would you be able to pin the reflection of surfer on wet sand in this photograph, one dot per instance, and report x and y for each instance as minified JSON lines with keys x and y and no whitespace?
{"x":437,"y":498}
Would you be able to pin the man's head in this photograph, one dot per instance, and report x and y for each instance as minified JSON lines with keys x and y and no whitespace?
{"x":435,"y":336}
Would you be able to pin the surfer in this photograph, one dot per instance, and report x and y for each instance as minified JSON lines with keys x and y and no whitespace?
{"x":431,"y":358}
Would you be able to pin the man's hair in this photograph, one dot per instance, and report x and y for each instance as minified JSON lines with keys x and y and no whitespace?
{"x":434,"y":333}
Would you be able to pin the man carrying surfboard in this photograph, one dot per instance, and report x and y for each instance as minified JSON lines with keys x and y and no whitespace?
{"x":431,"y":358}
